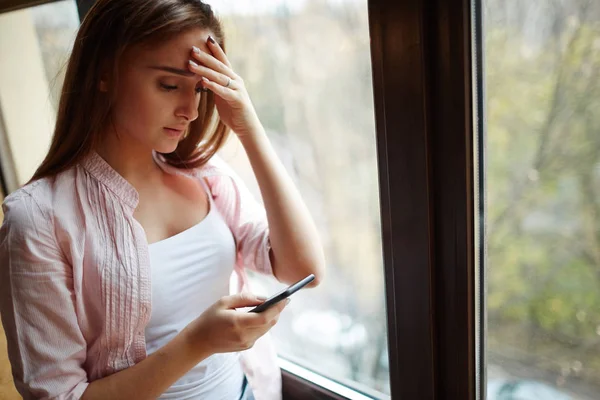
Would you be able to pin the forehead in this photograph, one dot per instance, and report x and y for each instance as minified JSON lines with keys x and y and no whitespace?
{"x":174,"y":52}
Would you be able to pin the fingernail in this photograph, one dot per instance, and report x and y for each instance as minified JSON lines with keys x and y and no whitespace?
{"x":195,"y":50}
{"x":210,"y":39}
{"x":260,"y":298}
{"x":287,"y":301}
{"x":193,"y":64}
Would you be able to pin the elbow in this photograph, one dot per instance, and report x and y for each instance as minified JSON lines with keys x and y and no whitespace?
{"x":317,"y":268}
{"x":316,"y":282}
{"x":292,"y":272}
{"x":305,"y":269}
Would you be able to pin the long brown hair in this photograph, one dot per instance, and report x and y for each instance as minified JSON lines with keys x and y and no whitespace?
{"x":109,"y":29}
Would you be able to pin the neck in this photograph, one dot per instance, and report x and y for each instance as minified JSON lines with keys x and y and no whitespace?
{"x":132,"y":161}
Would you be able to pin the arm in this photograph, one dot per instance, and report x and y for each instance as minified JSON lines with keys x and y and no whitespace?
{"x":296,"y":249}
{"x":220,"y":329}
{"x":46,"y":348}
{"x":152,"y":376}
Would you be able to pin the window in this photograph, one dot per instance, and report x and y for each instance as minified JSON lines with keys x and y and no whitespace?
{"x":543,"y":199}
{"x":479,"y":160}
{"x":312,"y":88}
{"x":31,"y":74}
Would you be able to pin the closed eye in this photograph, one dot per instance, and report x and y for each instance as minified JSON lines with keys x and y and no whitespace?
{"x":168,"y":88}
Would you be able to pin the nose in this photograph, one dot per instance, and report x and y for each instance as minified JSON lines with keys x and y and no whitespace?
{"x":187,"y":106}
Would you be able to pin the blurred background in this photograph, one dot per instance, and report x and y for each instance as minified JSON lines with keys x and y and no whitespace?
{"x":307,"y":67}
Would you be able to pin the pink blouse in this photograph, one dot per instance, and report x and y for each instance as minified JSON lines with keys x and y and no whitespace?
{"x":75,"y":279}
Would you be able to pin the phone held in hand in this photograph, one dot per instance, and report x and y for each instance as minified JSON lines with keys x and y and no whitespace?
{"x":284,"y":294}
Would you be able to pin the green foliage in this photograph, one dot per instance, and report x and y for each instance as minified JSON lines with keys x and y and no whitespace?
{"x":543,"y":189}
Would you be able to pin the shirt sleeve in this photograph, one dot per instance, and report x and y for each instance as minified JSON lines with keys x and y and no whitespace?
{"x":46,"y":348}
{"x":246,"y":217}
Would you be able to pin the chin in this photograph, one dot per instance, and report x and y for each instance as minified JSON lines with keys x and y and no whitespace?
{"x":165,"y":149}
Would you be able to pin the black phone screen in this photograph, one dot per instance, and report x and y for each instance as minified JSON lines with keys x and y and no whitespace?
{"x":284,"y":294}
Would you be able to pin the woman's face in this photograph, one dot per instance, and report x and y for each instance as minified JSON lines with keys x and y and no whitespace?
{"x":157,"y":95}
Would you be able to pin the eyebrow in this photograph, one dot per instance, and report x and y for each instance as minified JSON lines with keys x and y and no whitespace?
{"x":172,"y":70}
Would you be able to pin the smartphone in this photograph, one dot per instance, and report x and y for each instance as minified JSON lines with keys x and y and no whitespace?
{"x":284,"y":294}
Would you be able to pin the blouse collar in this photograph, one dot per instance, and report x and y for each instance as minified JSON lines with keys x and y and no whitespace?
{"x":103,"y":172}
{"x":107,"y":175}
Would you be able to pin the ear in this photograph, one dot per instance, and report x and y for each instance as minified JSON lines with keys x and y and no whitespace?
{"x":103,"y":85}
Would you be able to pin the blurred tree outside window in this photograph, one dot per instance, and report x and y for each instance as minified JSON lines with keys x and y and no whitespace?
{"x":542,"y":104}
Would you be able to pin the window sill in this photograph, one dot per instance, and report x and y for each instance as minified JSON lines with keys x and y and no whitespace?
{"x":300,"y":383}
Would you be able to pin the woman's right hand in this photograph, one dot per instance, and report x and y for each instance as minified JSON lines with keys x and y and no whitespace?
{"x":222,"y":329}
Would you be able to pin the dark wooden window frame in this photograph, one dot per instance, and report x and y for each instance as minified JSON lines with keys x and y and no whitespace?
{"x":425,"y":109}
{"x":429,"y":120}
{"x":11,"y":5}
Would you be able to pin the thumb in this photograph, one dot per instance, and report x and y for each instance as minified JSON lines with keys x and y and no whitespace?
{"x":241,"y":300}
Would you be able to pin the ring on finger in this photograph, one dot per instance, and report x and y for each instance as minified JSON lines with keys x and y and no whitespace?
{"x":228,"y":82}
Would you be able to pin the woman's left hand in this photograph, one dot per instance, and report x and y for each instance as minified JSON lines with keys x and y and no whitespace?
{"x":231,"y":97}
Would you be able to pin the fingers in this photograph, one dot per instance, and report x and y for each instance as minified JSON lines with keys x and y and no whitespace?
{"x":209,"y":61}
{"x":220,"y":90}
{"x":217,"y":51}
{"x":268,"y":317}
{"x":241,"y":300}
{"x":208,"y":73}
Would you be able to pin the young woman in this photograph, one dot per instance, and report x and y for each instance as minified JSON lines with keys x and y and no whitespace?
{"x":116,"y":257}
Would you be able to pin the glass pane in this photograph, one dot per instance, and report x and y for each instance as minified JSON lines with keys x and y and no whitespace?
{"x":542,"y":103}
{"x":34,"y":48}
{"x":307,"y":67}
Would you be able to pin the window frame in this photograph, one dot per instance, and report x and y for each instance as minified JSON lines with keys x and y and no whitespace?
{"x":12,"y":5}
{"x":423,"y":50}
{"x":427,"y":109}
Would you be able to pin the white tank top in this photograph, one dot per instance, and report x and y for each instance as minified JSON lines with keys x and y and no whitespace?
{"x":191,"y":271}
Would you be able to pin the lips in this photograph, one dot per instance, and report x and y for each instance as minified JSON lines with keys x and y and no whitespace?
{"x":174,"y":129}
{"x":174,"y":132}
